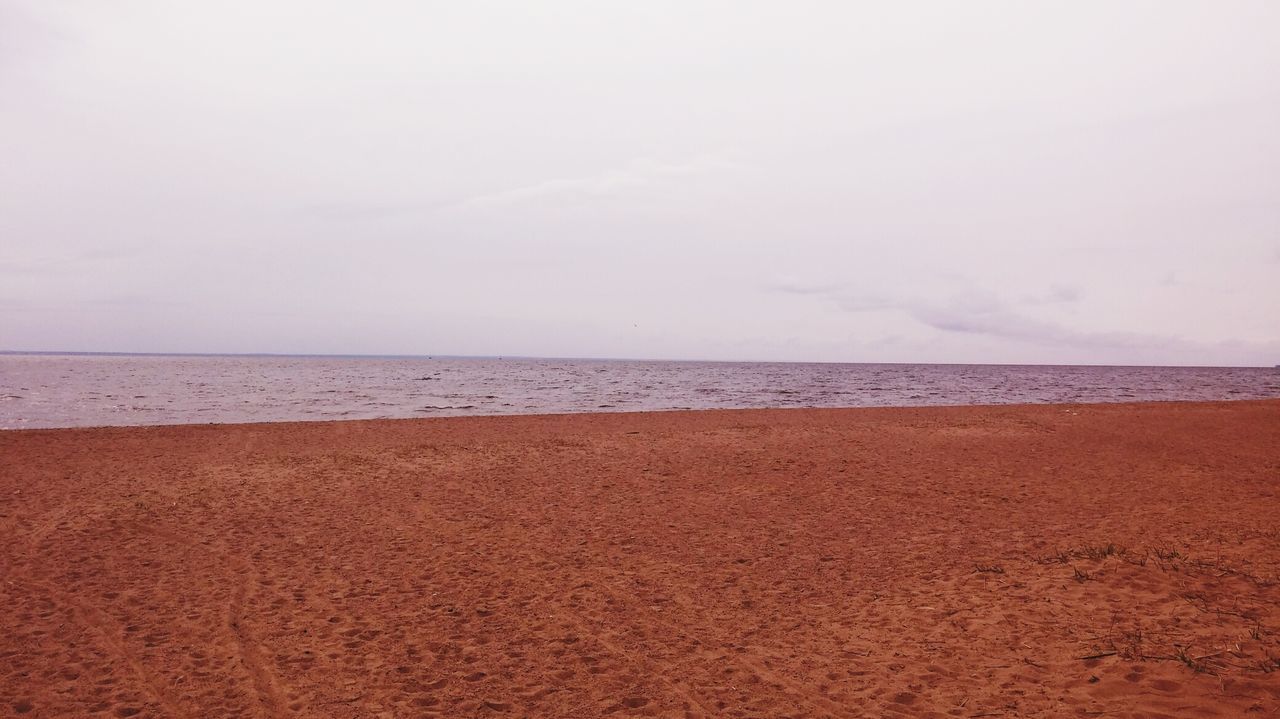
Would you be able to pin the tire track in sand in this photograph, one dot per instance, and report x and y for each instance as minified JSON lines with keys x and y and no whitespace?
{"x":109,"y":631}
{"x":248,"y":647}
{"x":266,"y":686}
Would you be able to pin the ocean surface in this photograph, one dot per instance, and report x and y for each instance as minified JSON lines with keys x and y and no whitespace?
{"x":94,"y":390}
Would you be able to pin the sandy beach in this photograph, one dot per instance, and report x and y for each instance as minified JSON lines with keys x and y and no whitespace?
{"x":1022,"y":561}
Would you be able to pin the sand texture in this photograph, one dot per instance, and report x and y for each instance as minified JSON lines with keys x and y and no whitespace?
{"x":961,"y":562}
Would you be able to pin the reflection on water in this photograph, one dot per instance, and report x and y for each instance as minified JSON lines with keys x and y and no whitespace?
{"x":79,"y":390}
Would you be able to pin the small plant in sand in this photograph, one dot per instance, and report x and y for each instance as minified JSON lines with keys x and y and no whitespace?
{"x":1137,"y":560}
{"x":1094,"y":552}
{"x":1199,"y":665}
{"x":1103,"y":551}
{"x":1128,"y":644}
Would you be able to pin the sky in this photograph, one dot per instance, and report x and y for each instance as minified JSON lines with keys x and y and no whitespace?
{"x":978,"y":182}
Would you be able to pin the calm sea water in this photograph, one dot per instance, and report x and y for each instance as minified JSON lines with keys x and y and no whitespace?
{"x":79,"y":390}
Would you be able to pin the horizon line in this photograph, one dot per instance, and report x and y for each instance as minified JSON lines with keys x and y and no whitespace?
{"x":324,"y":355}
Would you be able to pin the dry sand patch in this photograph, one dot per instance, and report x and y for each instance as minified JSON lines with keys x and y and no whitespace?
{"x":1106,"y":560}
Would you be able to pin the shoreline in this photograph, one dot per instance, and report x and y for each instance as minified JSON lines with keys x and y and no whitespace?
{"x":605,"y":413}
{"x":1031,"y":560}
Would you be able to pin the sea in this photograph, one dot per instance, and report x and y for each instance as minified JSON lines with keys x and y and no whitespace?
{"x":65,"y":390}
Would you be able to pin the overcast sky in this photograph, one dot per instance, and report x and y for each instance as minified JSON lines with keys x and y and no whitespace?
{"x":1074,"y":182}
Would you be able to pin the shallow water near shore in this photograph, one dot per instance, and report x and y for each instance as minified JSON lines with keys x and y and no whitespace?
{"x":95,"y":390}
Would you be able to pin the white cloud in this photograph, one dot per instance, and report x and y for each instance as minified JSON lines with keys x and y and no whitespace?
{"x":637,"y":174}
{"x":977,"y":312}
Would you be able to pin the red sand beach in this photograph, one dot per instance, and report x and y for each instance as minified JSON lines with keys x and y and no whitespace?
{"x":1031,"y":561}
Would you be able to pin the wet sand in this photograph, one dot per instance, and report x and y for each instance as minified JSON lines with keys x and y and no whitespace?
{"x":1033,"y":561}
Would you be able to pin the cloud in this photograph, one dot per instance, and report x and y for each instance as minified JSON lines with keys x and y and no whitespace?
{"x":1056,"y":294}
{"x":67,"y":261}
{"x":1009,"y":324}
{"x":615,"y":182}
{"x":981,"y":313}
{"x":793,"y":286}
{"x":636,"y":174}
{"x":361,"y":211}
